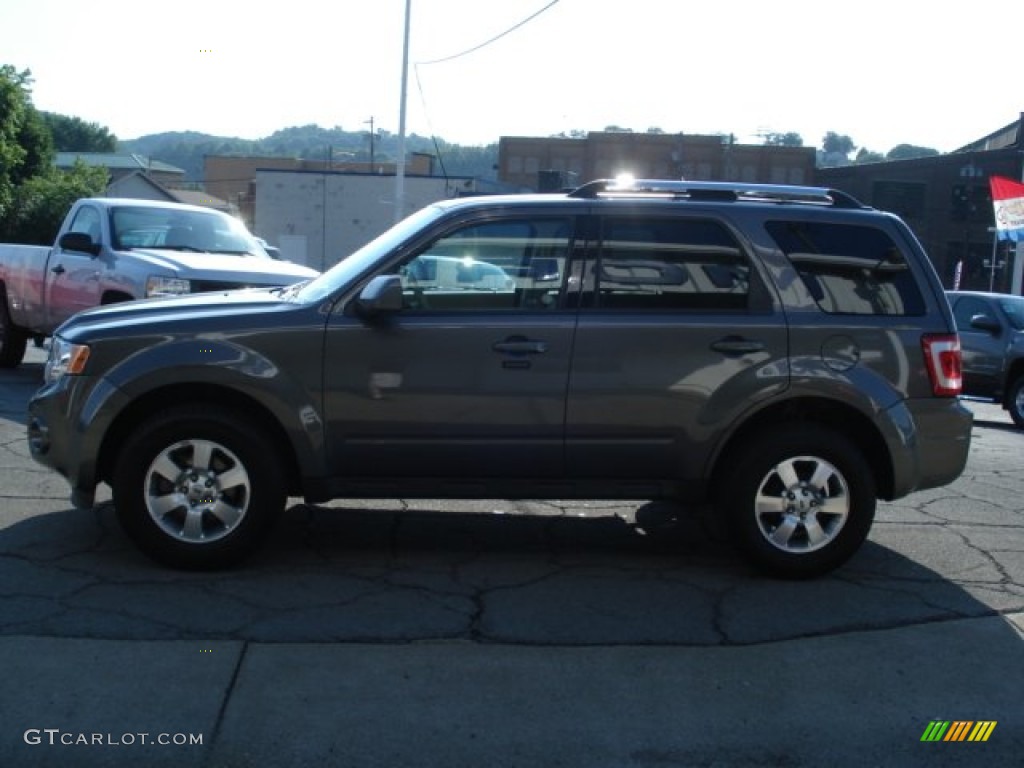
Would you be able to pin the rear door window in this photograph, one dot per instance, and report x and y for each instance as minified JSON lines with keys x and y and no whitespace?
{"x":650,"y":263}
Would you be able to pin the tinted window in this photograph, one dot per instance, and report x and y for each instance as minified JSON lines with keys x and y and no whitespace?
{"x":508,"y":264}
{"x":967,"y":307}
{"x":669,"y":264}
{"x":1014,"y":309}
{"x":849,"y":269}
{"x":87,"y":221}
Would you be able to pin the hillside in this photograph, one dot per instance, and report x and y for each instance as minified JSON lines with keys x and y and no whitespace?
{"x":186,"y":149}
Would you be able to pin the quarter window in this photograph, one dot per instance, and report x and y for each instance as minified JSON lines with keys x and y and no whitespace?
{"x":849,"y":269}
{"x":669,"y":264}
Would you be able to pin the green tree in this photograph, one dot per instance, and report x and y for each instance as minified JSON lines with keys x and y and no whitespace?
{"x":73,"y":134}
{"x":865,"y":155}
{"x":790,"y":139}
{"x":14,"y":104}
{"x":834,"y":143}
{"x":40,"y":203}
{"x":909,"y":152}
{"x":835,"y":150}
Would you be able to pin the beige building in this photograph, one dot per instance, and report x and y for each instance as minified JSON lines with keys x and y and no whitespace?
{"x":233,"y":178}
{"x":546,"y":164}
{"x":318,"y":218}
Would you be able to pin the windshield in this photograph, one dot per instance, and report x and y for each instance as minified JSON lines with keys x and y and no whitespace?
{"x":352,"y":267}
{"x":182,"y":229}
{"x":1014,"y":309}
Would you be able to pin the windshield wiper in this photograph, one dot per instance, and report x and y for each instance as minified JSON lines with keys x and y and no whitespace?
{"x":289,"y":291}
{"x":189,"y":248}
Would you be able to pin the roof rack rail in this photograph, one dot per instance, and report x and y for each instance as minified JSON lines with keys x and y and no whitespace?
{"x":716,"y":190}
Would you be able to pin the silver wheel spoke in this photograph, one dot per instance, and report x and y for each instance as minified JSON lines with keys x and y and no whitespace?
{"x":233,"y":477}
{"x":768,"y":505}
{"x":202,"y":451}
{"x":815,"y":533}
{"x":228,"y":514}
{"x":822,"y":473}
{"x":166,"y":468}
{"x":787,"y":473}
{"x":784,"y":532}
{"x":159,"y":506}
{"x":835,"y":505}
{"x":193,"y":530}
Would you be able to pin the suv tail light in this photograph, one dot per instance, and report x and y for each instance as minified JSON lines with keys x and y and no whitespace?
{"x":942,"y":358}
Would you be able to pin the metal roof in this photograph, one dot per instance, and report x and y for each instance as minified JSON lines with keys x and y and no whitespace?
{"x":113,"y":160}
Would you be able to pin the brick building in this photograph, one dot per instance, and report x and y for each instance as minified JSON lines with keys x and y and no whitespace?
{"x":550,"y":163}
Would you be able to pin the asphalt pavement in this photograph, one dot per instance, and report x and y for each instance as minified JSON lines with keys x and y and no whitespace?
{"x":497,"y":633}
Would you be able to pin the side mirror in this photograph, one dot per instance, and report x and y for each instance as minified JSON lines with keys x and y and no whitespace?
{"x":986,"y":323}
{"x":381,"y":296}
{"x":79,"y":241}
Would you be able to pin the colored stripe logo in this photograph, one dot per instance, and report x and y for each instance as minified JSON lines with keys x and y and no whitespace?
{"x":958,"y":730}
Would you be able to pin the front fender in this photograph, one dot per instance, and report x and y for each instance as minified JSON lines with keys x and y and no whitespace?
{"x":160,"y":374}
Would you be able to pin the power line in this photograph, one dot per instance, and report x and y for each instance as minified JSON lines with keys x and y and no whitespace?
{"x":484,"y":44}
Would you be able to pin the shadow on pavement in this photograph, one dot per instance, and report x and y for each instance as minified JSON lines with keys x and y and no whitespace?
{"x":536,"y":574}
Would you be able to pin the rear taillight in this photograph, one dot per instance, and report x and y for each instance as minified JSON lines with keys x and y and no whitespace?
{"x":942,"y":357}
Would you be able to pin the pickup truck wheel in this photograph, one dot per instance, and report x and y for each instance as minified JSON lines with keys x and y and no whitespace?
{"x":196,"y":487}
{"x":799,"y":500}
{"x":1015,"y":401}
{"x":12,"y":340}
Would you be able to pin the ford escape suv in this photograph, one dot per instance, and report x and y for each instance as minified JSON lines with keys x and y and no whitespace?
{"x":784,"y":353}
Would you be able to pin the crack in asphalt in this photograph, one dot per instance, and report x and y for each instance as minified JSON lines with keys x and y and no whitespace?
{"x":532,"y":573}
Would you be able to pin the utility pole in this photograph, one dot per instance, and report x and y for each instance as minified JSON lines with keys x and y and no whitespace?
{"x":370,"y":121}
{"x":400,"y":164}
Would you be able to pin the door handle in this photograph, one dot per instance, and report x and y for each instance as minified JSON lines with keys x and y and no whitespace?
{"x":737,"y":345}
{"x":519,"y":345}
{"x":58,"y":270}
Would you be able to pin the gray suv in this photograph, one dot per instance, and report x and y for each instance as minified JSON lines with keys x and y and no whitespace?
{"x":784,"y":353}
{"x":991,"y":327}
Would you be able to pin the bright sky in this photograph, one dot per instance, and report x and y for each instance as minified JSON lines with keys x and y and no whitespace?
{"x":884,"y":72}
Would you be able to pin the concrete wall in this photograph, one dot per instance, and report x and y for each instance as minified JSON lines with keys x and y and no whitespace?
{"x":336,"y":213}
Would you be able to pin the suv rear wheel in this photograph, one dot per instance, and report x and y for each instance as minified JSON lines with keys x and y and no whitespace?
{"x":799,"y":500}
{"x":196,"y":487}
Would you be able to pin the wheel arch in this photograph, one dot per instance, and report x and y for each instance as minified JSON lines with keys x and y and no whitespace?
{"x":115,"y":297}
{"x":193,"y":393}
{"x":841,"y":417}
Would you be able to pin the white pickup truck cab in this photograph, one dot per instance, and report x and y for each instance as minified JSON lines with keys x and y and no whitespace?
{"x":112,"y":249}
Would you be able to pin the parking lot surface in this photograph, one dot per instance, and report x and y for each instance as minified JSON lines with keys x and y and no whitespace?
{"x":501,"y":633}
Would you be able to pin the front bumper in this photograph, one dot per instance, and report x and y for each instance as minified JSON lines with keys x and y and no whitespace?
{"x":67,"y":421}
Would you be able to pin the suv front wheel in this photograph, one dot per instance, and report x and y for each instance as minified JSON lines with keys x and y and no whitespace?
{"x":799,"y":500}
{"x":1015,"y":401}
{"x":196,"y":487}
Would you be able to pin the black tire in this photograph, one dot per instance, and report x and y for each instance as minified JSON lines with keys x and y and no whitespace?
{"x":203,"y":458}
{"x":13,"y":340}
{"x":1015,"y":401}
{"x":799,"y":500}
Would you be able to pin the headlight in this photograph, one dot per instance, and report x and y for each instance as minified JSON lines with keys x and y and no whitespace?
{"x":65,"y":359}
{"x":167,"y":286}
